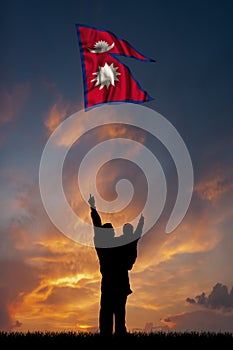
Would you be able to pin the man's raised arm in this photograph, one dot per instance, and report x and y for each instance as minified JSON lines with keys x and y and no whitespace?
{"x":96,"y":220}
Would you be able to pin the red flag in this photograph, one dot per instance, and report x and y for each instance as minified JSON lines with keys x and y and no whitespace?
{"x":105,"y":78}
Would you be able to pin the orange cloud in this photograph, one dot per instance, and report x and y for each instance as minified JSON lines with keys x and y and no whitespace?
{"x":213,"y":188}
{"x":46,"y":275}
{"x":63,"y":285}
{"x":57,"y":113}
{"x":62,"y":292}
{"x":111,"y":131}
{"x":170,"y":267}
{"x":78,"y":126}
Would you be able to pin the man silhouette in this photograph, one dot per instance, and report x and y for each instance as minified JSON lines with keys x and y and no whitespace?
{"x":116,"y":257}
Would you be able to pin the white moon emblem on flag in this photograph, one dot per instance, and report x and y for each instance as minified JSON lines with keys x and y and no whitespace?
{"x":101,"y":46}
{"x":106,"y":76}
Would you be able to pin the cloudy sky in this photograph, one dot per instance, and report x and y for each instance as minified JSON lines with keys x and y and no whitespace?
{"x":181,"y":281}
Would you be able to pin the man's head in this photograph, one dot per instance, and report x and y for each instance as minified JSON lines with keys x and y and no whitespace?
{"x":110,"y":230}
{"x":128,"y":229}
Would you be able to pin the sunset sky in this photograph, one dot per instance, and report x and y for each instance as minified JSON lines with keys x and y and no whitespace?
{"x":180,"y":281}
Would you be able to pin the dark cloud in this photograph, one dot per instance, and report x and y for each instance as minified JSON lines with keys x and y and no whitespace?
{"x":17,"y":324}
{"x":190,"y":300}
{"x":215,"y":314}
{"x":219,"y":298}
{"x":202,"y":299}
{"x":201,"y":321}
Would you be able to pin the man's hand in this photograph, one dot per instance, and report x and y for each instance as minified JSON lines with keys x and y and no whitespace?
{"x":141,"y":221}
{"x":91,"y":201}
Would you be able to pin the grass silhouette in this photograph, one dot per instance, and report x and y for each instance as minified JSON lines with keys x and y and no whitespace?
{"x":134,"y":339}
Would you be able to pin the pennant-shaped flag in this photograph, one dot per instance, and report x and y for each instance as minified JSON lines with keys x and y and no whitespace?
{"x":105,"y":78}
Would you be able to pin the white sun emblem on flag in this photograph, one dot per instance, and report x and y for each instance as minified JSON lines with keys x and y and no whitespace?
{"x":106,"y":76}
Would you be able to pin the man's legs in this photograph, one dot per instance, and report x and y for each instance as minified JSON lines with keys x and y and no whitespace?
{"x":120,"y":314}
{"x":106,"y":315}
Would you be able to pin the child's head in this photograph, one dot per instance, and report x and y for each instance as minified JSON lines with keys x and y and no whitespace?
{"x":128,"y":229}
